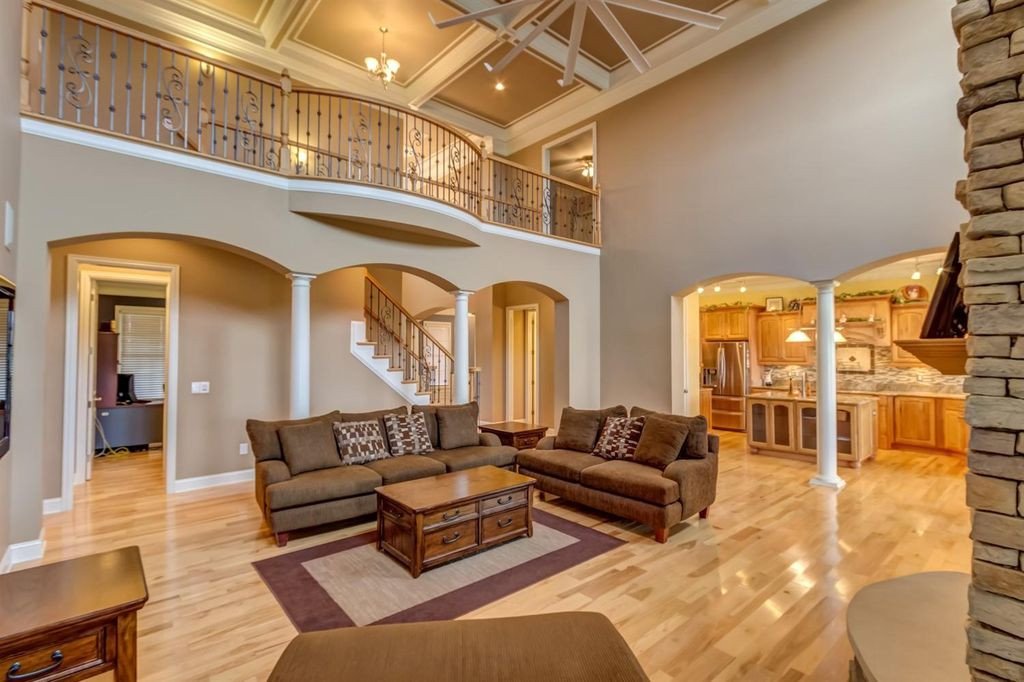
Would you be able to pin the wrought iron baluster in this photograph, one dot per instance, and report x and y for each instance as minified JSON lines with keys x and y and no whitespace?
{"x":112,"y":108}
{"x":186,"y":103}
{"x":60,"y":71}
{"x":128,"y":87}
{"x":145,"y":78}
{"x":96,"y":77}
{"x":224,"y":115}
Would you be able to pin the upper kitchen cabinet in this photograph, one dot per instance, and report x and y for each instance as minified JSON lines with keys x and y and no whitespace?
{"x":772,"y":331}
{"x":907,"y":321}
{"x":728,"y":323}
{"x":865,"y":319}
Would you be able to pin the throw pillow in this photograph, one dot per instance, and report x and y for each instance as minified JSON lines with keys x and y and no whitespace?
{"x":360,"y":442}
{"x":457,"y":426}
{"x":660,"y":442}
{"x":377,"y":415}
{"x":266,"y":444}
{"x":308,"y":447}
{"x":619,"y":437}
{"x":429,"y":413}
{"x":578,"y":429}
{"x":696,"y":446}
{"x":407,"y":434}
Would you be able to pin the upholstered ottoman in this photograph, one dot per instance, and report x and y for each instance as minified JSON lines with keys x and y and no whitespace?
{"x":571,"y":647}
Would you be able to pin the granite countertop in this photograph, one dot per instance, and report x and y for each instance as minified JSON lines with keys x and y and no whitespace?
{"x":842,"y":398}
{"x":762,"y":391}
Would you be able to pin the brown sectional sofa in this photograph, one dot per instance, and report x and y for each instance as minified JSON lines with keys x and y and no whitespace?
{"x":657,"y":498}
{"x":312,"y":498}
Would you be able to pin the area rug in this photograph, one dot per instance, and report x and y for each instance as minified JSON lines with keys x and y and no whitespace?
{"x":349,"y":583}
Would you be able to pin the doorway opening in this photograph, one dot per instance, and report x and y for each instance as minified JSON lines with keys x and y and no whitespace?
{"x":522,"y":363}
{"x":120,"y":371}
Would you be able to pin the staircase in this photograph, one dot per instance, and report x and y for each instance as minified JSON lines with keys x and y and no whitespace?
{"x":396,"y":347}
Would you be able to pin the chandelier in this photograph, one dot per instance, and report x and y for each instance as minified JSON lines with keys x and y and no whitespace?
{"x":382,"y":68}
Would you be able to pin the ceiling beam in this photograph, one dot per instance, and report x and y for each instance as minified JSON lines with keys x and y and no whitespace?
{"x":450,"y":66}
{"x":546,"y":45}
{"x":281,"y":17}
{"x":578,"y":17}
{"x":674,"y":12}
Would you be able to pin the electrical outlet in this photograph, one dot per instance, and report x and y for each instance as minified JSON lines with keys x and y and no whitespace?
{"x":200,"y":386}
{"x":243,"y":448}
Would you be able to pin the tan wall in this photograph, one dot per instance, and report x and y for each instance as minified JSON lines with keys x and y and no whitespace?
{"x":10,"y":144}
{"x":826,"y":144}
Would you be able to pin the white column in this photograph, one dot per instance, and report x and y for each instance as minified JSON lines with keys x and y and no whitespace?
{"x":298,"y":396}
{"x":460,"y":347}
{"x":828,"y":455}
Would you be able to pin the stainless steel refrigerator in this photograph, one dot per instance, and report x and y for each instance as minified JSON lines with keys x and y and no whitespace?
{"x":725,"y":367}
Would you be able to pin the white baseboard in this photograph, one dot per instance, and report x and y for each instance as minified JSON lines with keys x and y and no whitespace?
{"x":53,"y":505}
{"x":184,"y":485}
{"x":21,"y":552}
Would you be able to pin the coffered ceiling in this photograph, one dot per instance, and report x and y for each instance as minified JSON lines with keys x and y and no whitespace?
{"x":324,"y":42}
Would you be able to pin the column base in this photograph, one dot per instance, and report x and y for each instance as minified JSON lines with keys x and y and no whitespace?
{"x":833,"y":482}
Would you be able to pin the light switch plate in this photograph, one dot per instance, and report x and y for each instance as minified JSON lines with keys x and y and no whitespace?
{"x":243,"y":448}
{"x":200,"y":386}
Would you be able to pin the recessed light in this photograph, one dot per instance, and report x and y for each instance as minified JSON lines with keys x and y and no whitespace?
{"x":743,"y":289}
{"x":718,"y":289}
{"x":499,"y":86}
{"x":700,"y":290}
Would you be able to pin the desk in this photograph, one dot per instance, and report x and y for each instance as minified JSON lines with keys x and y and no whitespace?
{"x":133,"y":425}
{"x":72,"y":619}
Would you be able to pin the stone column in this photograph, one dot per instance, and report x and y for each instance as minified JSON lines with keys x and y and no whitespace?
{"x":298,"y":395}
{"x":460,"y":347}
{"x":828,"y":451}
{"x":991,"y":35}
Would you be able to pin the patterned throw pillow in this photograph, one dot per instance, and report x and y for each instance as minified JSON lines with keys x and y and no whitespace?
{"x":619,"y":437}
{"x":360,"y":442}
{"x":408,"y":434}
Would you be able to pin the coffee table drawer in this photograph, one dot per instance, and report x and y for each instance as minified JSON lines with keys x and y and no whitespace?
{"x":58,"y":660}
{"x":449,"y":539}
{"x":453,"y":514}
{"x":504,"y":523}
{"x":504,"y":501}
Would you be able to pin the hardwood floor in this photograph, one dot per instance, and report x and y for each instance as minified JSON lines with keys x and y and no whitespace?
{"x":757,"y":592}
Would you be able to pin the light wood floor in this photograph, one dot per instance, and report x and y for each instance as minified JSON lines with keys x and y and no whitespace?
{"x":758,"y":592}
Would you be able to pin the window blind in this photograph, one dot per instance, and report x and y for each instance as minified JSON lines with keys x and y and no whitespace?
{"x":141,"y":348}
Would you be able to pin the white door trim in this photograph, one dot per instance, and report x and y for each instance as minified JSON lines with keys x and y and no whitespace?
{"x":509,"y":344}
{"x":545,"y":150}
{"x":82,"y":270}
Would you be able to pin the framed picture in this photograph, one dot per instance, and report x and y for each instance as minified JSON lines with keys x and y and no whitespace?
{"x":774,"y":304}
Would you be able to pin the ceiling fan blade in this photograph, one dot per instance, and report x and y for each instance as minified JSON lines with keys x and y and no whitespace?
{"x":530,"y":37}
{"x":614,"y":28}
{"x":578,"y":15}
{"x":480,"y":14}
{"x":670,"y":11}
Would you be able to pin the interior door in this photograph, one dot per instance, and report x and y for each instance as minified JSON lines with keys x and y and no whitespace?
{"x":90,"y":422}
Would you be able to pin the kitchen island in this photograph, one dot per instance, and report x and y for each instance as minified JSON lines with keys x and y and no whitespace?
{"x":782,"y":425}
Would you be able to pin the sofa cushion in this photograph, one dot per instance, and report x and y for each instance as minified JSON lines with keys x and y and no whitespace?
{"x":578,"y":429}
{"x":263,"y":434}
{"x":619,"y":437}
{"x":406,"y":468}
{"x":661,"y":442}
{"x":407,"y":434}
{"x":632,"y":480}
{"x":375,"y":415}
{"x":308,"y":447}
{"x":473,"y":456}
{"x":564,"y":464}
{"x":457,"y":425}
{"x":321,"y":486}
{"x":430,"y":414}
{"x":696,"y":446}
{"x":360,"y":442}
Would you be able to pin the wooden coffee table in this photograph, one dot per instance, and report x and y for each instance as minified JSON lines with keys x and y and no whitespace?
{"x":520,"y":435}
{"x":430,"y":521}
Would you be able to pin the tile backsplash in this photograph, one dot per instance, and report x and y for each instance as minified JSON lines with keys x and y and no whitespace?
{"x":885,"y":377}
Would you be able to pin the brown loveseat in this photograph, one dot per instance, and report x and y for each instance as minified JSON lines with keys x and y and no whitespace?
{"x":657,"y":498}
{"x":335,"y":491}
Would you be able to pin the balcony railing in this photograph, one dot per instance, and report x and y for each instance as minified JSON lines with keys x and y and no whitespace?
{"x":84,"y":71}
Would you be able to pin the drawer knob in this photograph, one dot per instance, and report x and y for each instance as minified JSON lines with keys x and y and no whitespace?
{"x":451,"y":538}
{"x":14,"y":672}
{"x":505,"y":523}
{"x":453,"y":514}
{"x":504,"y":500}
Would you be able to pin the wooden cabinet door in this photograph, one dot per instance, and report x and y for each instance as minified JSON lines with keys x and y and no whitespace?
{"x":736,"y":326}
{"x":792,"y":353}
{"x":807,"y":428}
{"x":914,"y":421}
{"x":705,"y":405}
{"x":955,"y":432}
{"x":884,"y":427}
{"x":715,"y":325}
{"x":906,"y":325}
{"x":809,"y":315}
{"x":781,"y":433}
{"x":759,"y":424}
{"x":768,"y":344}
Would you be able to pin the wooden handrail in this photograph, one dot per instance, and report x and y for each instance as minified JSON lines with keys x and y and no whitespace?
{"x":546,"y":176}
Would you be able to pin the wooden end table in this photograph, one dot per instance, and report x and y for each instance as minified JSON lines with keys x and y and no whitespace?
{"x":520,"y":435}
{"x":72,"y":619}
{"x":430,"y":521}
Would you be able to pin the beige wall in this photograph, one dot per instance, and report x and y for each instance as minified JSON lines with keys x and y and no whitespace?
{"x":10,"y":150}
{"x":826,"y":144}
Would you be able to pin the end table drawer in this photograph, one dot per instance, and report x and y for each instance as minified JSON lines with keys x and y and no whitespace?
{"x":449,"y":539}
{"x":504,"y":523}
{"x":453,"y":514}
{"x":77,"y":653}
{"x":499,"y":502}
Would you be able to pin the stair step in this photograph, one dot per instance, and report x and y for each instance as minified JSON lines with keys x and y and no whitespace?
{"x":365,"y":343}
{"x":409,"y":381}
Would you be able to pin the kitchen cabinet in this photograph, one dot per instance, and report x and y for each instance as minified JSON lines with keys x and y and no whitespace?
{"x":907,"y":321}
{"x":772,"y":331}
{"x":705,"y":405}
{"x":728,"y":412}
{"x":914,"y":421}
{"x":727,"y":324}
{"x":955,"y":432}
{"x":884,"y":422}
{"x":867,"y":319}
{"x":714,"y":324}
